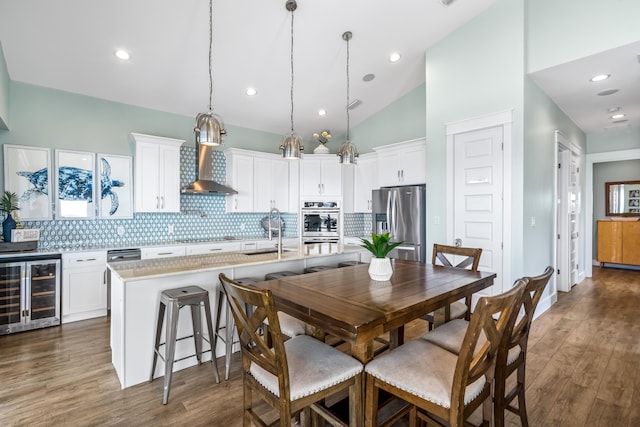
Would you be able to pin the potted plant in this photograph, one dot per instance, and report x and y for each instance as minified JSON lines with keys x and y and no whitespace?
{"x":8,"y":204}
{"x":380,"y":246}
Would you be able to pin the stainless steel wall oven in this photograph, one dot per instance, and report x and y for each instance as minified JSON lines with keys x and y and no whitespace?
{"x":321,"y":222}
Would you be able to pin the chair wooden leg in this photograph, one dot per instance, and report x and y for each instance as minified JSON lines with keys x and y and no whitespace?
{"x":248,"y":398}
{"x":499,"y":401}
{"x":487,"y":412}
{"x":522,"y":407}
{"x":371,"y":402}
{"x":356,"y":412}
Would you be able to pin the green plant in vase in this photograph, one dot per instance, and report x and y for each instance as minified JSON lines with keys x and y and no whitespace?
{"x":8,"y":204}
{"x":380,"y":267}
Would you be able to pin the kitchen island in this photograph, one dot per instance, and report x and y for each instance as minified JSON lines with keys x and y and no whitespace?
{"x":136,"y":287}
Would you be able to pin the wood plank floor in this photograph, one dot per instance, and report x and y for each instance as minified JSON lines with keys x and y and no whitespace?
{"x":583,"y":364}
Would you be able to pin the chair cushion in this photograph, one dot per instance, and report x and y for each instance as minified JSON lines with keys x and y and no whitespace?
{"x":458,"y":309}
{"x":313,"y":366}
{"x":289,"y":325}
{"x":451,"y":334}
{"x":424,"y":370}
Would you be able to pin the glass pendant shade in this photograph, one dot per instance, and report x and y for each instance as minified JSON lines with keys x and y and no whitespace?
{"x":209,"y":129}
{"x":291,"y":147}
{"x":348,"y":153}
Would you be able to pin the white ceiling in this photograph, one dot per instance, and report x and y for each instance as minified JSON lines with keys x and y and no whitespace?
{"x":570,"y":88}
{"x":69,"y":44}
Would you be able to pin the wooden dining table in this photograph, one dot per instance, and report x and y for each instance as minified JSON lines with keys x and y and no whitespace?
{"x":346,"y":303}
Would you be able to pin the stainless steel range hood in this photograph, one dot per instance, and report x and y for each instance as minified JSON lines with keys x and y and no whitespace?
{"x":204,"y":183}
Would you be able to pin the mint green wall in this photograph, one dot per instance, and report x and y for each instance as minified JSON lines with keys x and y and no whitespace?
{"x":561,"y":31}
{"x":403,"y":120}
{"x":622,"y":139}
{"x":4,"y":91}
{"x":542,"y":118}
{"x":46,"y":117}
{"x":477,"y":70}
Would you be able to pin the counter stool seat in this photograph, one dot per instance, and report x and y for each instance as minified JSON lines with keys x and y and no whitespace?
{"x":279,"y":275}
{"x":172,"y":300}
{"x":317,"y":268}
{"x":349,"y":263}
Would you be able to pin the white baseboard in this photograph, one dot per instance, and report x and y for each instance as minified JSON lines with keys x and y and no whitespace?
{"x":545,"y":304}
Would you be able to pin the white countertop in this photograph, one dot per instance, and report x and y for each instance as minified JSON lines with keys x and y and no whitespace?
{"x":162,"y":267}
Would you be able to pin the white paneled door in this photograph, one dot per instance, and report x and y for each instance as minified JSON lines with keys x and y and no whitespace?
{"x":478,"y":204}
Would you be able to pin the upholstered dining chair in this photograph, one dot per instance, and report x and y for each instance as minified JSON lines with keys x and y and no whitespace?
{"x":512,"y":354}
{"x":444,"y":388}
{"x":292,"y":377}
{"x":442,"y":255}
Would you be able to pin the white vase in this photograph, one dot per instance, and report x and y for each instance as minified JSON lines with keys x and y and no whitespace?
{"x":380,"y":269}
{"x":321,"y":149}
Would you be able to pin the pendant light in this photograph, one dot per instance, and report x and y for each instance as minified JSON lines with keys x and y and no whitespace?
{"x":209,"y":126}
{"x":347,"y":152}
{"x":292,"y":144}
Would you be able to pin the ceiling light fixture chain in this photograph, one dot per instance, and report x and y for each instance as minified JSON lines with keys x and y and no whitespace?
{"x":347,"y":36}
{"x":210,"y":55}
{"x":348,"y":153}
{"x":291,"y":146}
{"x":209,"y":127}
{"x":291,"y":6}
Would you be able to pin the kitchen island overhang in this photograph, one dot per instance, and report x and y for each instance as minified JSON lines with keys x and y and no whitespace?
{"x":135,"y":296}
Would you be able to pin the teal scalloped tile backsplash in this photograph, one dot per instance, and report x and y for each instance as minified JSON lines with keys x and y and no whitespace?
{"x":202,"y":217}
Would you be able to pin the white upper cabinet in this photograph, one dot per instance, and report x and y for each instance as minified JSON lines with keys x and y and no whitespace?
{"x":270,"y":183}
{"x":157,"y":173}
{"x":261,"y":180}
{"x":364,"y":181}
{"x":402,"y":163}
{"x":320,"y":175}
{"x":240,"y":178}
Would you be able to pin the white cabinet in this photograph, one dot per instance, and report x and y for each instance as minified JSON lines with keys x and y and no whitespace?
{"x":402,"y":163}
{"x":270,"y":184}
{"x":157,"y":173}
{"x":240,"y":177}
{"x":211,"y":248}
{"x":84,"y":287}
{"x":162,"y":251}
{"x":364,"y":181}
{"x":320,"y":175}
{"x":261,"y":180}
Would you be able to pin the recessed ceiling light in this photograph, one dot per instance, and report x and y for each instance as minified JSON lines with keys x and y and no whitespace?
{"x":369,"y":77}
{"x":322,"y":112}
{"x":251,"y":91}
{"x":608,"y":92}
{"x":613,"y":109}
{"x":395,"y":57}
{"x":617,"y":116}
{"x":122,"y":54}
{"x":600,"y":77}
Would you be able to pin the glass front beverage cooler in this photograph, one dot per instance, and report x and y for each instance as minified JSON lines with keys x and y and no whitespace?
{"x":29,"y":293}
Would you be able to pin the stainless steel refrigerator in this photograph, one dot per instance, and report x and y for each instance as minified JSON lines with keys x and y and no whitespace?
{"x":401,"y":212}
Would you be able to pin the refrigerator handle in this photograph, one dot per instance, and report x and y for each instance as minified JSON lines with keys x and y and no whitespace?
{"x":389,"y":219}
{"x":395,"y":214}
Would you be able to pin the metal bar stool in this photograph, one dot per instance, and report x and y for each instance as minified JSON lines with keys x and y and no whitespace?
{"x":173,"y":300}
{"x":227,"y":337}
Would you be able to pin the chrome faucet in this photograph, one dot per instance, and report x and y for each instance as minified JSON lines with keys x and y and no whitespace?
{"x":279,"y":245}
